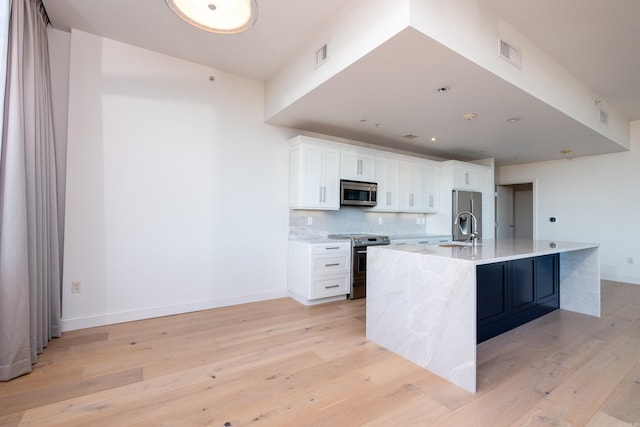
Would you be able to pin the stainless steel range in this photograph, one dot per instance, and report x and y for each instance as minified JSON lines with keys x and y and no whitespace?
{"x":359,"y":243}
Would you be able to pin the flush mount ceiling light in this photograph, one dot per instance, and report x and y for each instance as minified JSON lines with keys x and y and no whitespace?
{"x":470,"y":116}
{"x":217,"y":16}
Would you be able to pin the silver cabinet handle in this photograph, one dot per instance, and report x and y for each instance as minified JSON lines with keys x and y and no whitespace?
{"x":332,"y":286}
{"x":320,"y":195}
{"x":388,"y":198}
{"x":430,"y":200}
{"x":361,"y":252}
{"x":332,"y":248}
{"x":324,"y":194}
{"x":332,"y":265}
{"x":359,"y":167}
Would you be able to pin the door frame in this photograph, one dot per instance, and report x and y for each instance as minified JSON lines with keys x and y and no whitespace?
{"x":534,"y":190}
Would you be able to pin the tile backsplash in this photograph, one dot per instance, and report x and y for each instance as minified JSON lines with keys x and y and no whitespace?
{"x":355,"y":220}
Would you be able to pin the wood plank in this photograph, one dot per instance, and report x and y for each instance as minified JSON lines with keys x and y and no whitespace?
{"x":279,"y":362}
{"x":580,"y":397}
{"x":624,"y":403}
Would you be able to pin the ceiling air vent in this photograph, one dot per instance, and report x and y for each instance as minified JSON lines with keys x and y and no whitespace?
{"x":509,"y":53}
{"x":322,"y":54}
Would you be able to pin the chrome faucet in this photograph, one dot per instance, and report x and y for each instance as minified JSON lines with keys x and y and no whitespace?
{"x":473,"y":235}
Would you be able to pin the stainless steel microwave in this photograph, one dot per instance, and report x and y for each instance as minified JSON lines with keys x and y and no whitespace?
{"x":358,"y":193}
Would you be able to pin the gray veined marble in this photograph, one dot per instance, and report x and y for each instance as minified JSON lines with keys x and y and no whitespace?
{"x":421,"y":300}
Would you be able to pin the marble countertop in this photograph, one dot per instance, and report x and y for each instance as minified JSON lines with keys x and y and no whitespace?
{"x":417,"y":236}
{"x":490,"y":251}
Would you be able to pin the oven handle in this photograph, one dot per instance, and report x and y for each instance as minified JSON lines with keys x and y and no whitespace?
{"x":361,"y":252}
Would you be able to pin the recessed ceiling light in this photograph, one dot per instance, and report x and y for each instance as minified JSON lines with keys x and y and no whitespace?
{"x":442,"y":89}
{"x":433,"y":139}
{"x":566,"y":152}
{"x":470,"y":116}
{"x":513,"y":119}
{"x":410,"y":136}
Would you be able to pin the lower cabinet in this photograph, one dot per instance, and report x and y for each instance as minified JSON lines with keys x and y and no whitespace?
{"x":512,"y":293}
{"x":319,"y":272}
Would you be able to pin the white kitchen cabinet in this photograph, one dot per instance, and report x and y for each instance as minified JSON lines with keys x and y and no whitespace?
{"x":357,"y":165}
{"x":470,"y":177}
{"x":387,"y":176}
{"x":314,"y":174}
{"x":419,"y":186}
{"x":319,"y":272}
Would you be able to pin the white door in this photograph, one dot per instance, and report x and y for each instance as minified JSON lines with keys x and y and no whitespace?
{"x":523,"y":212}
{"x":504,"y":212}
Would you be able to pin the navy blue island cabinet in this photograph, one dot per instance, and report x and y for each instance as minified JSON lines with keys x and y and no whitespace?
{"x":511,"y":293}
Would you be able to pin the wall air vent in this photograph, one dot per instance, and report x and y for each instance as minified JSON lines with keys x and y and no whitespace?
{"x":509,"y":53}
{"x":322,"y":54}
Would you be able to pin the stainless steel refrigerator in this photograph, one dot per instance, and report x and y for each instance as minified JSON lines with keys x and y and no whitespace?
{"x":466,"y":201}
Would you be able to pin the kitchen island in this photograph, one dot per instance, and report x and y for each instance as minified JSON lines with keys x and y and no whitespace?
{"x":421,"y":299}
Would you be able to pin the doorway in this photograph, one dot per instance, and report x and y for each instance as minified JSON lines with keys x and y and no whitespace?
{"x":514,"y":211}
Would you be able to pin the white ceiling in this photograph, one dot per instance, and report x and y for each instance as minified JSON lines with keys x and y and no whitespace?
{"x":595,"y":40}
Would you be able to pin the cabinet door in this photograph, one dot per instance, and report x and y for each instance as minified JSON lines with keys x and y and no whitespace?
{"x":547,"y":272}
{"x":432,"y":188}
{"x":387,"y":173}
{"x":410,"y":188}
{"x":331,"y":179}
{"x":357,"y":166}
{"x":492,"y":293}
{"x":314,"y":178}
{"x":465,"y":178}
{"x":523,"y":294}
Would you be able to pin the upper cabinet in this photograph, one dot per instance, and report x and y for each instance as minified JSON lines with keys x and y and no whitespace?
{"x":468,"y":176}
{"x":314,"y":174}
{"x":405,"y":183}
{"x":419,"y":186}
{"x":387,"y":177}
{"x":357,"y":165}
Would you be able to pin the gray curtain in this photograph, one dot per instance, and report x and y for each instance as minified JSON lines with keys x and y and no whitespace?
{"x":30,"y":297}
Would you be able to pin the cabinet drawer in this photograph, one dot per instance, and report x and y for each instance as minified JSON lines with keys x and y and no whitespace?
{"x":331,"y":248}
{"x":331,"y":265}
{"x":331,"y":287}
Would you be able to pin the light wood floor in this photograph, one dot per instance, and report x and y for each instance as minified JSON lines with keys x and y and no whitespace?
{"x":278,"y":363}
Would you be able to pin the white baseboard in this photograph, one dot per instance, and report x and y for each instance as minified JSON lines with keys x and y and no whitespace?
{"x":70,"y":324}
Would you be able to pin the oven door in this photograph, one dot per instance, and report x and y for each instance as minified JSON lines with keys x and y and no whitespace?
{"x":359,"y":273}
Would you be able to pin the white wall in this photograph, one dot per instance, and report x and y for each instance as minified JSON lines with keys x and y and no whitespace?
{"x":59,"y":53}
{"x":177,"y":192}
{"x":595,"y":199}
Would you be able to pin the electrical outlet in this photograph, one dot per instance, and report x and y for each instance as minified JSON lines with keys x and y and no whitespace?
{"x":76,"y":287}
{"x":380,"y":221}
{"x":630,"y":260}
{"x":418,"y":221}
{"x":309,"y":220}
